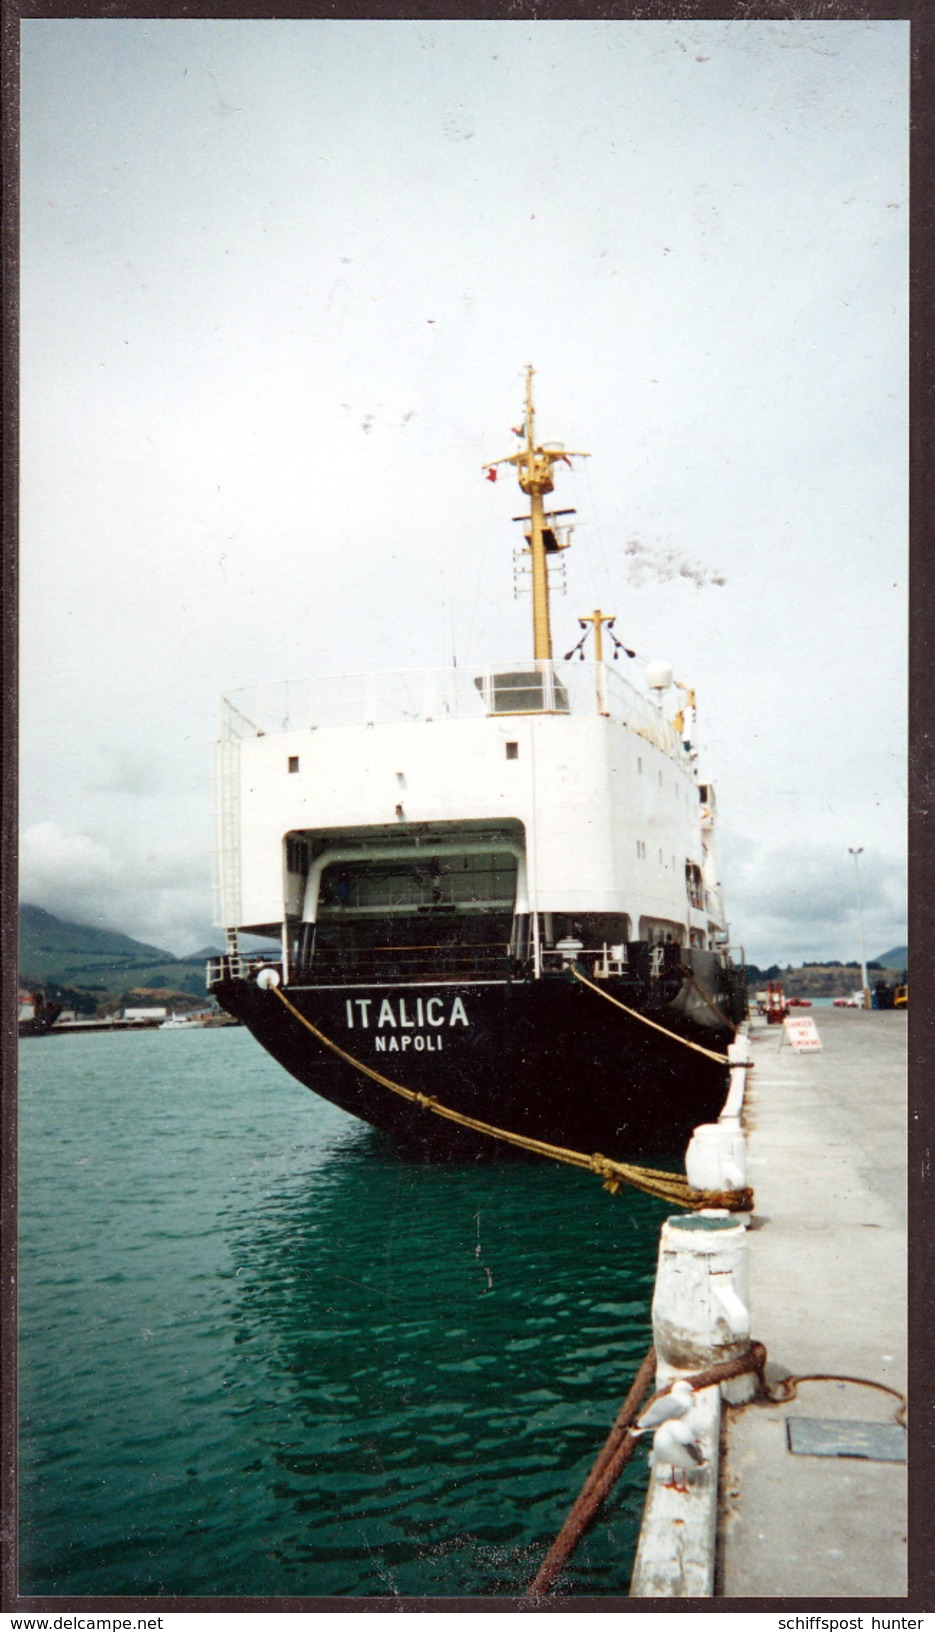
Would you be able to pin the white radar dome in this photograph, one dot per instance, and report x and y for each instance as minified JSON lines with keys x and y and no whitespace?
{"x":659,"y":676}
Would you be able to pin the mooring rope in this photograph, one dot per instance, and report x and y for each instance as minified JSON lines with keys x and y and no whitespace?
{"x":616,"y":1453}
{"x":608,"y":1466}
{"x":621,"y":1443}
{"x":789,"y":1386}
{"x":670,"y":1187}
{"x":672,"y":1035}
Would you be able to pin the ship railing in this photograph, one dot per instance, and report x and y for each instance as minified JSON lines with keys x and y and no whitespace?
{"x":237,"y":966}
{"x":642,"y":962}
{"x":522,"y":687}
{"x":602,"y":960}
{"x":492,"y":960}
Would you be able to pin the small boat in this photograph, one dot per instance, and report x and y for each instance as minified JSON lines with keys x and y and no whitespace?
{"x":495,"y":889}
{"x":183,"y":1022}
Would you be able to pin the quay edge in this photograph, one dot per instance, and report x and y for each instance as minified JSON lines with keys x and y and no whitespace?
{"x":826,"y":1142}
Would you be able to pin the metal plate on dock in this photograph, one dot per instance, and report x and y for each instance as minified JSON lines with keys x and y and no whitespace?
{"x":872,"y":1441}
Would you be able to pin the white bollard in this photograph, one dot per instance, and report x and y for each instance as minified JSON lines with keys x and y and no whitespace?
{"x":701,"y":1303}
{"x":733,"y":1104}
{"x":740,"y":1052}
{"x":716,"y":1158}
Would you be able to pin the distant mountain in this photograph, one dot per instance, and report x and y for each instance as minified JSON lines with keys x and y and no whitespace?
{"x":247,"y":943}
{"x":55,"y":952}
{"x":896,"y":958}
{"x":42,"y":934}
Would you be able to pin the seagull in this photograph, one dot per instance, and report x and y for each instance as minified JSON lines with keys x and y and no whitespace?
{"x":675,"y":1445}
{"x":677,"y":1403}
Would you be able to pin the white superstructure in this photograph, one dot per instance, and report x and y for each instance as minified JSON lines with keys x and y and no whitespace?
{"x":549,"y":800}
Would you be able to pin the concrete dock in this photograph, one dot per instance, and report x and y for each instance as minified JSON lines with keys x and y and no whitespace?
{"x":826,"y":1155}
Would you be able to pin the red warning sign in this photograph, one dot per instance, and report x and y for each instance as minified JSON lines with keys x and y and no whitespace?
{"x":802,"y":1033}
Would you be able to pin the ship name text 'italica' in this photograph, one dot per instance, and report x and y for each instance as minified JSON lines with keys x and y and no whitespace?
{"x":430,"y":1011}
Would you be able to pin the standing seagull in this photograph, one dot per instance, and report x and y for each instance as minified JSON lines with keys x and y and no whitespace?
{"x":677,"y":1403}
{"x":675,"y":1445}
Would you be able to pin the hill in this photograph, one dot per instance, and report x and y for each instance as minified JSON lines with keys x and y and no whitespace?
{"x":55,"y":952}
{"x":831,"y":979}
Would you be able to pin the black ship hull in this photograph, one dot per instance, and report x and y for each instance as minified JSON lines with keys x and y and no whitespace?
{"x":549,"y":1059}
{"x":42,"y":1020}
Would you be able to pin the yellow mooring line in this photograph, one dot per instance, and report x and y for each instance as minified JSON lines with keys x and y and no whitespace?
{"x":708,"y":1052}
{"x":669,"y":1187}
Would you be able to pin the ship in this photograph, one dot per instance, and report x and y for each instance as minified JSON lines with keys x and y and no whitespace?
{"x":494,"y":890}
{"x":36,"y":1014}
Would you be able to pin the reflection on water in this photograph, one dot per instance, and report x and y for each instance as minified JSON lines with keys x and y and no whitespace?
{"x":264,"y":1353}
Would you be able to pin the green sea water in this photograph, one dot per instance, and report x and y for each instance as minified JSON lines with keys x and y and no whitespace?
{"x":264,"y":1353}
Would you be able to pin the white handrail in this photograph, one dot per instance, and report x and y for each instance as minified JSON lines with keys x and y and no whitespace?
{"x":522,"y":687}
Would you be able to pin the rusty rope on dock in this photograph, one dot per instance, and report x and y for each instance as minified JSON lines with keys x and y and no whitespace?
{"x":674,"y":1037}
{"x":616,"y":1453}
{"x":608,"y":1466}
{"x":789,"y":1387}
{"x":621,"y":1443}
{"x":673,"y":1188}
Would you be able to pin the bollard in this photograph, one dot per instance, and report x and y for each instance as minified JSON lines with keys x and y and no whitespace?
{"x":700,"y":1307}
{"x":716,"y":1158}
{"x":733,"y":1105}
{"x":739,"y":1052}
{"x":741,"y":1061}
{"x":699,"y":1319}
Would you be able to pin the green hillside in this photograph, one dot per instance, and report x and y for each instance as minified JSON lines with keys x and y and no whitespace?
{"x":53,"y":952}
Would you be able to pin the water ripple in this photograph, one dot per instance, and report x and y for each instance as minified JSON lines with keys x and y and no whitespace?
{"x":298,"y":1362}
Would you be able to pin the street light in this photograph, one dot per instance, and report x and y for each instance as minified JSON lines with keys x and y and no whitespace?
{"x":860,"y":909}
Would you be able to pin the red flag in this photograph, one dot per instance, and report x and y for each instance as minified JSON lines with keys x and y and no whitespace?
{"x":491,"y":475}
{"x":567,"y":461}
{"x":518,"y":430}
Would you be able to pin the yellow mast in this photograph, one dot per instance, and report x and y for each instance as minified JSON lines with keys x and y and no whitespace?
{"x":598,"y":619}
{"x":534,"y":474}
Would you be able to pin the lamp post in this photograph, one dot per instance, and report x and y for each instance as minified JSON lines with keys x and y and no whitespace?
{"x":860,"y":909}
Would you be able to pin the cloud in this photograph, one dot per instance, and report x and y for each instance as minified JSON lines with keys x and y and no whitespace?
{"x":792,"y":902}
{"x":163,"y":898}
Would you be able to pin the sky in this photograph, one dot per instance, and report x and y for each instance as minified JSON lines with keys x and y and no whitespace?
{"x":280,"y":282}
